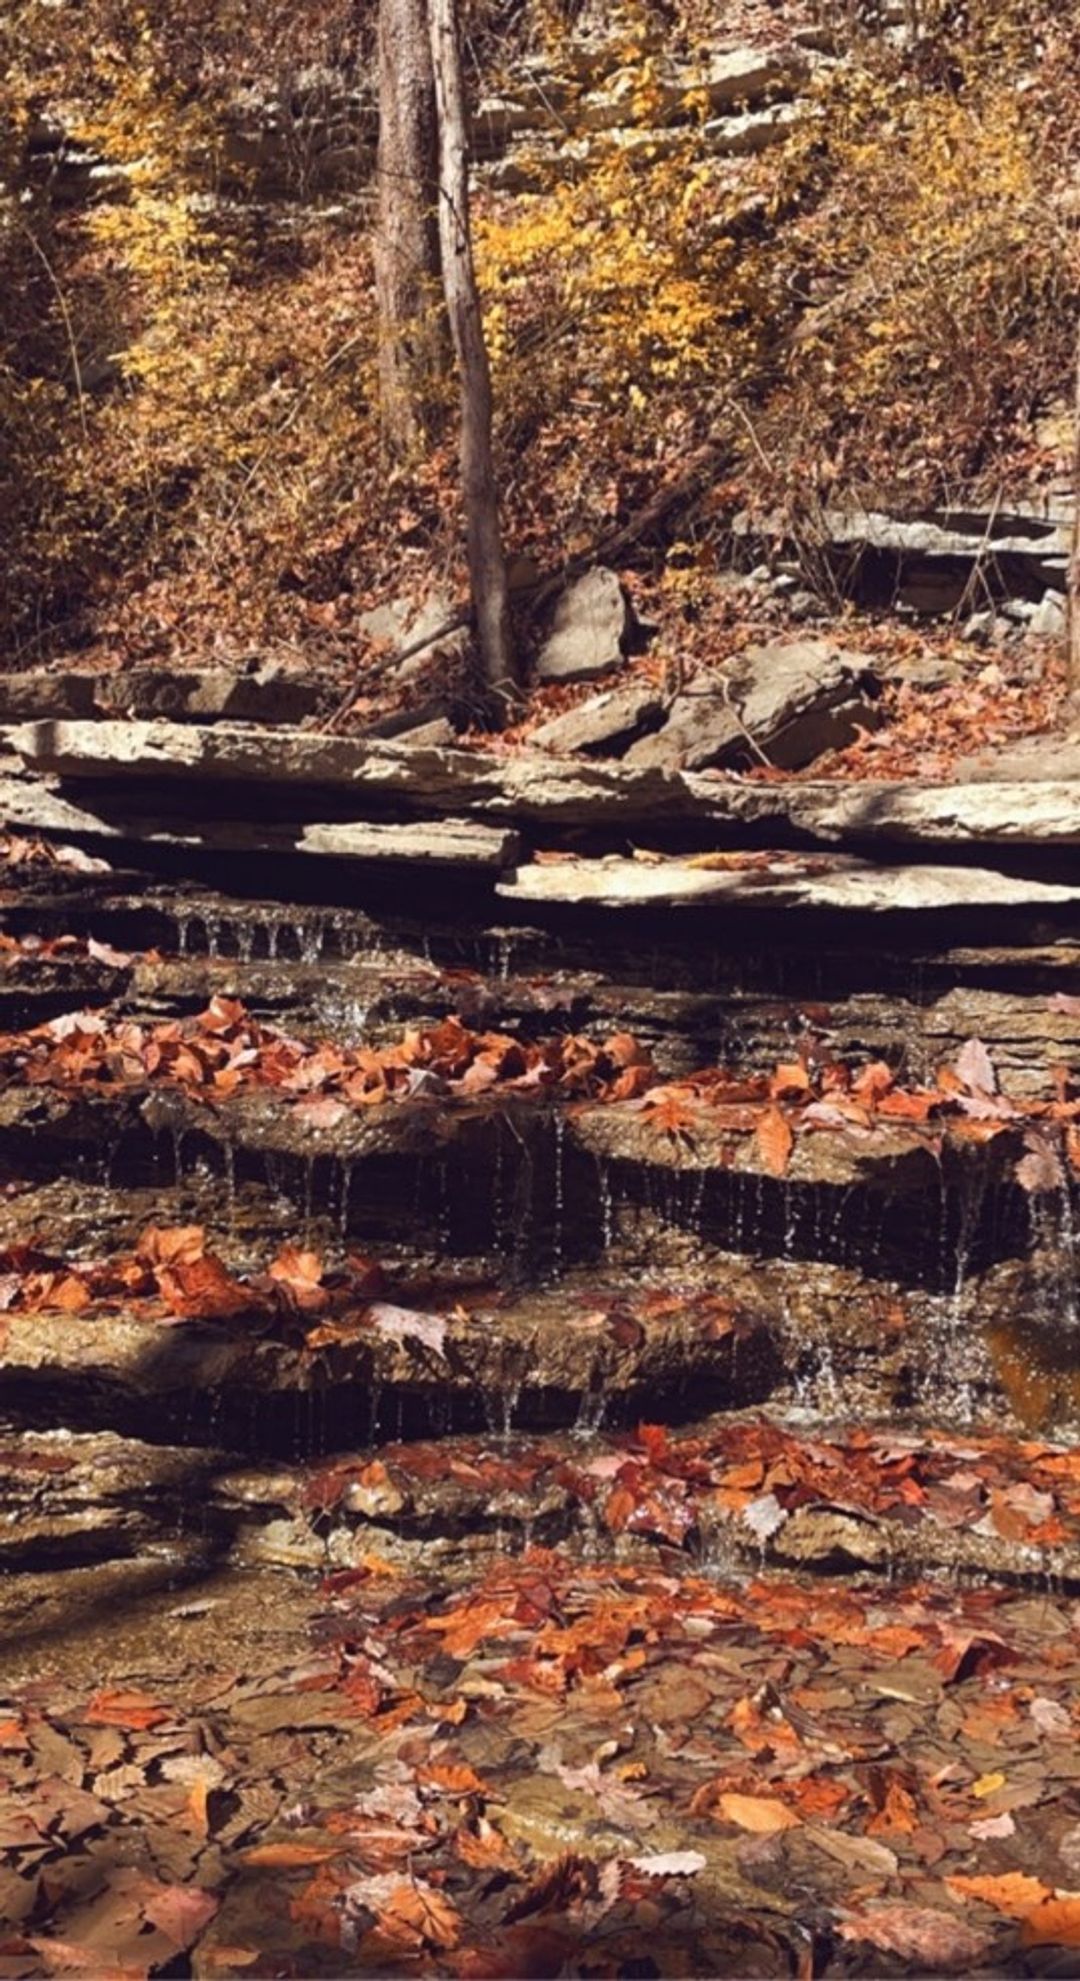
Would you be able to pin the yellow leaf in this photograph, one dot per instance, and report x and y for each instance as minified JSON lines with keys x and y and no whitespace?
{"x":987,"y":1785}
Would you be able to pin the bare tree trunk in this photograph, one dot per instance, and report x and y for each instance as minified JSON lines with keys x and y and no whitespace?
{"x":1073,"y":607}
{"x":487,"y":562}
{"x":414,"y":345}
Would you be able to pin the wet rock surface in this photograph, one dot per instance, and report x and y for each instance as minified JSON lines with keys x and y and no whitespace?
{"x":519,"y":1526}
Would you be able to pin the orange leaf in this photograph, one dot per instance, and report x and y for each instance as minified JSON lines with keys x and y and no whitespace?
{"x":133,"y":1710}
{"x":874,"y":1081}
{"x":171,"y":1245}
{"x":286,"y":1856}
{"x":417,"y":1915}
{"x":1055,"y":1923}
{"x":203,"y":1290}
{"x":775,"y":1141}
{"x":453,"y":1778}
{"x":760,"y":1813}
{"x":1013,"y":1893}
{"x":789,"y":1081}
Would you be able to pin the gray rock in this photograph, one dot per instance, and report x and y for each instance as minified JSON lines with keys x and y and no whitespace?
{"x":402,"y":623}
{"x":788,"y":702}
{"x":603,"y":724}
{"x":848,"y":884}
{"x":927,"y":671}
{"x":1048,"y":620}
{"x":591,"y":621}
{"x":272,"y":693}
{"x":1019,"y":799}
{"x":979,"y":629}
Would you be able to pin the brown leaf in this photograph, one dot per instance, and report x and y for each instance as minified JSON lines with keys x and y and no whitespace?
{"x":416,"y":1915}
{"x":1011,"y":1892}
{"x":775,"y":1140}
{"x":762,"y":1814}
{"x":203,"y":1290}
{"x":131,"y":1709}
{"x":937,"y":1941}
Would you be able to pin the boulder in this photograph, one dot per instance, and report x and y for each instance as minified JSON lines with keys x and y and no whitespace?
{"x":604,"y":724}
{"x":1047,"y":622}
{"x":431,"y":628}
{"x":787,"y":703}
{"x":590,"y":624}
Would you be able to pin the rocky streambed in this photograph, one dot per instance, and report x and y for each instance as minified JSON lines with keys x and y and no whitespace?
{"x":537,"y":1425}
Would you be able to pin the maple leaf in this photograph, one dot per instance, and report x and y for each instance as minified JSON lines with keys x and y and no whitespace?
{"x":672,"y":1114}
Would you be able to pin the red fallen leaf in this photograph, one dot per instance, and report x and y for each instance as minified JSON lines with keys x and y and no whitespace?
{"x":453,"y":1778}
{"x":1011,"y":1892}
{"x":223,"y":1014}
{"x":624,"y":1050}
{"x":671,"y":1114}
{"x":301,"y":1273}
{"x":898,"y":1812}
{"x":484,"y":1847}
{"x":904,"y":1105}
{"x":618,"y":1507}
{"x":632,"y":1082}
{"x":775,"y":1140}
{"x":289,"y":1856}
{"x":171,"y":1245}
{"x":555,"y":1887}
{"x":789,"y":1082}
{"x":133,"y":1710}
{"x":415,"y":1916}
{"x":763,"y":1815}
{"x":368,"y":1276}
{"x":66,"y":1292}
{"x":203,"y":1290}
{"x":181,"y":1912}
{"x":966,"y":1654}
{"x":874,"y":1081}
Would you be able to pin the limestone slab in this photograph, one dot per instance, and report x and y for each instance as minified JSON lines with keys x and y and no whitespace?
{"x":848,"y":884}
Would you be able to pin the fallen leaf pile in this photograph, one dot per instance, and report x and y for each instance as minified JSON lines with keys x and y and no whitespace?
{"x":172,"y":1273}
{"x":471,"y":1779}
{"x":860,"y":1495}
{"x":225,"y":1050}
{"x":18,"y":851}
{"x":17,"y":949}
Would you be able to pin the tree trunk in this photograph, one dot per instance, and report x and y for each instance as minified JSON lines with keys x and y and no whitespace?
{"x":1073,"y":601}
{"x":487,"y":563}
{"x":414,"y":350}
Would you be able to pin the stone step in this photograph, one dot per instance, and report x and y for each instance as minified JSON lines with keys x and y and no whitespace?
{"x":750,"y":1490}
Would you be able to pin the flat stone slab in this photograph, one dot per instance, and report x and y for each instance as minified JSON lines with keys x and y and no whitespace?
{"x":846,"y":884}
{"x":530,"y":788}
